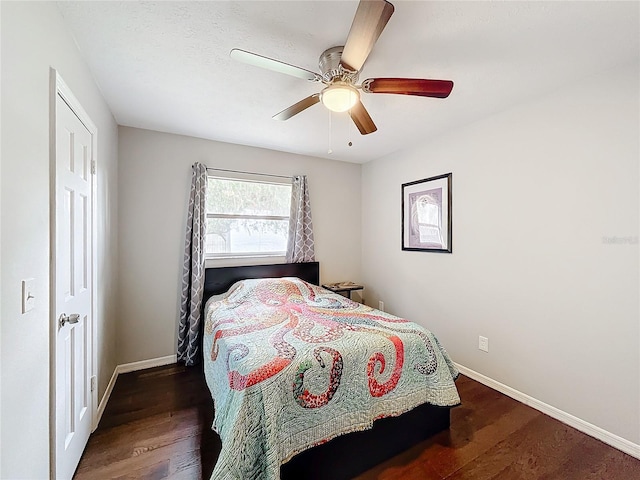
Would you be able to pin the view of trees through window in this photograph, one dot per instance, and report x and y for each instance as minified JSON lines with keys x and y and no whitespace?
{"x":246,"y":217}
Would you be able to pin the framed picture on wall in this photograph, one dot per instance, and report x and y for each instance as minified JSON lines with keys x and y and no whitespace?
{"x":426,"y":214}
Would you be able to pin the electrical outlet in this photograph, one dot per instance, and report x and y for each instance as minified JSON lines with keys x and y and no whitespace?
{"x":483,"y":344}
{"x":381,"y":305}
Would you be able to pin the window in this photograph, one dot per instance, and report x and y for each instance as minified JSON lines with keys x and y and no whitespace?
{"x":246,"y":218}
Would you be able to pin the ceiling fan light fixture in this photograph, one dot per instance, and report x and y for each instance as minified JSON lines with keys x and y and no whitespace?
{"x":339,"y":97}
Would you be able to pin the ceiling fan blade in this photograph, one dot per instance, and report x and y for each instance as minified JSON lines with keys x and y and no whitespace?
{"x":275,"y":65}
{"x":361,"y":118}
{"x":296,"y":108}
{"x":370,"y":19}
{"x":409,"y":86}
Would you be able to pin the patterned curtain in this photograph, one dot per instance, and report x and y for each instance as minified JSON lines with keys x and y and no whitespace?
{"x":193,"y":269}
{"x":300,"y":244}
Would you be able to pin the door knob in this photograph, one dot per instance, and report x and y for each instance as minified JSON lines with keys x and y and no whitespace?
{"x":64,"y":318}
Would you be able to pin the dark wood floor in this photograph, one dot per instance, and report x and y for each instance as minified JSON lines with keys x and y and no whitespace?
{"x":157,"y":425}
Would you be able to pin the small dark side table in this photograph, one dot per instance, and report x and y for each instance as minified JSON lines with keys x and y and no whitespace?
{"x":343,"y":288}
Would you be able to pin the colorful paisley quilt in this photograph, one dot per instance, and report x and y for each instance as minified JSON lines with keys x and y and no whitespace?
{"x":291,"y":365}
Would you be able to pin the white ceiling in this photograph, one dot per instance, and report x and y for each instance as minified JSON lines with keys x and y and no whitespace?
{"x":165,"y":65}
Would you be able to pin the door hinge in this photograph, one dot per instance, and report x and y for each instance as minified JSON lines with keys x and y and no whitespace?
{"x":93,"y":167}
{"x":93,"y":383}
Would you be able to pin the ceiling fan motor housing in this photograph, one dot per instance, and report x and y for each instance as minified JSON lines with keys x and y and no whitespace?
{"x":332,"y":70}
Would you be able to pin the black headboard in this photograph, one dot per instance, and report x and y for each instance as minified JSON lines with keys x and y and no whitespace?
{"x":219,"y":280}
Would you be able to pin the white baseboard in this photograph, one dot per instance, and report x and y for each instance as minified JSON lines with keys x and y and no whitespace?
{"x":126,"y":368}
{"x":105,"y":398}
{"x":609,"y":438}
{"x":144,"y":364}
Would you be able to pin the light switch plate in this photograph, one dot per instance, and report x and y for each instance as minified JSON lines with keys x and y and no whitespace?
{"x":28,"y":295}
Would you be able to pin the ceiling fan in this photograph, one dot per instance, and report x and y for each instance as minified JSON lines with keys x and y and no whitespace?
{"x":340,"y":67}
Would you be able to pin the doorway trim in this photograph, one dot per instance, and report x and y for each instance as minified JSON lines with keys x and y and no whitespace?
{"x":58,"y":87}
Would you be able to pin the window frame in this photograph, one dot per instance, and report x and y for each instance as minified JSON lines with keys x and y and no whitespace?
{"x":248,"y":258}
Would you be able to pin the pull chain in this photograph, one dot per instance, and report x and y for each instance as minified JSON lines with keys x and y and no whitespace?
{"x":351,"y":129}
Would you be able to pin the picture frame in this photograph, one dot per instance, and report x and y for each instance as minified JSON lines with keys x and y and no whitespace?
{"x":427,"y":214}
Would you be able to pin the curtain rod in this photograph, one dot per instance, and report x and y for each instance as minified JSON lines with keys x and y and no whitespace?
{"x":248,"y":173}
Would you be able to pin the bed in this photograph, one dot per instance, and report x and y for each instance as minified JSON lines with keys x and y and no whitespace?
{"x":309,"y":384}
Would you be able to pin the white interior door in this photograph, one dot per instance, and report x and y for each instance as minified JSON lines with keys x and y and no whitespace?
{"x":73,"y":289}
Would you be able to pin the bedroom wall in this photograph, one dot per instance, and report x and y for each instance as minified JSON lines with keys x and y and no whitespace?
{"x":34,"y":39}
{"x":154,"y":182}
{"x":545,"y":248}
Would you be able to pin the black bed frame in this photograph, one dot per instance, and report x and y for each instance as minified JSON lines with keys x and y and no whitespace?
{"x":219,"y":280}
{"x":349,"y":455}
